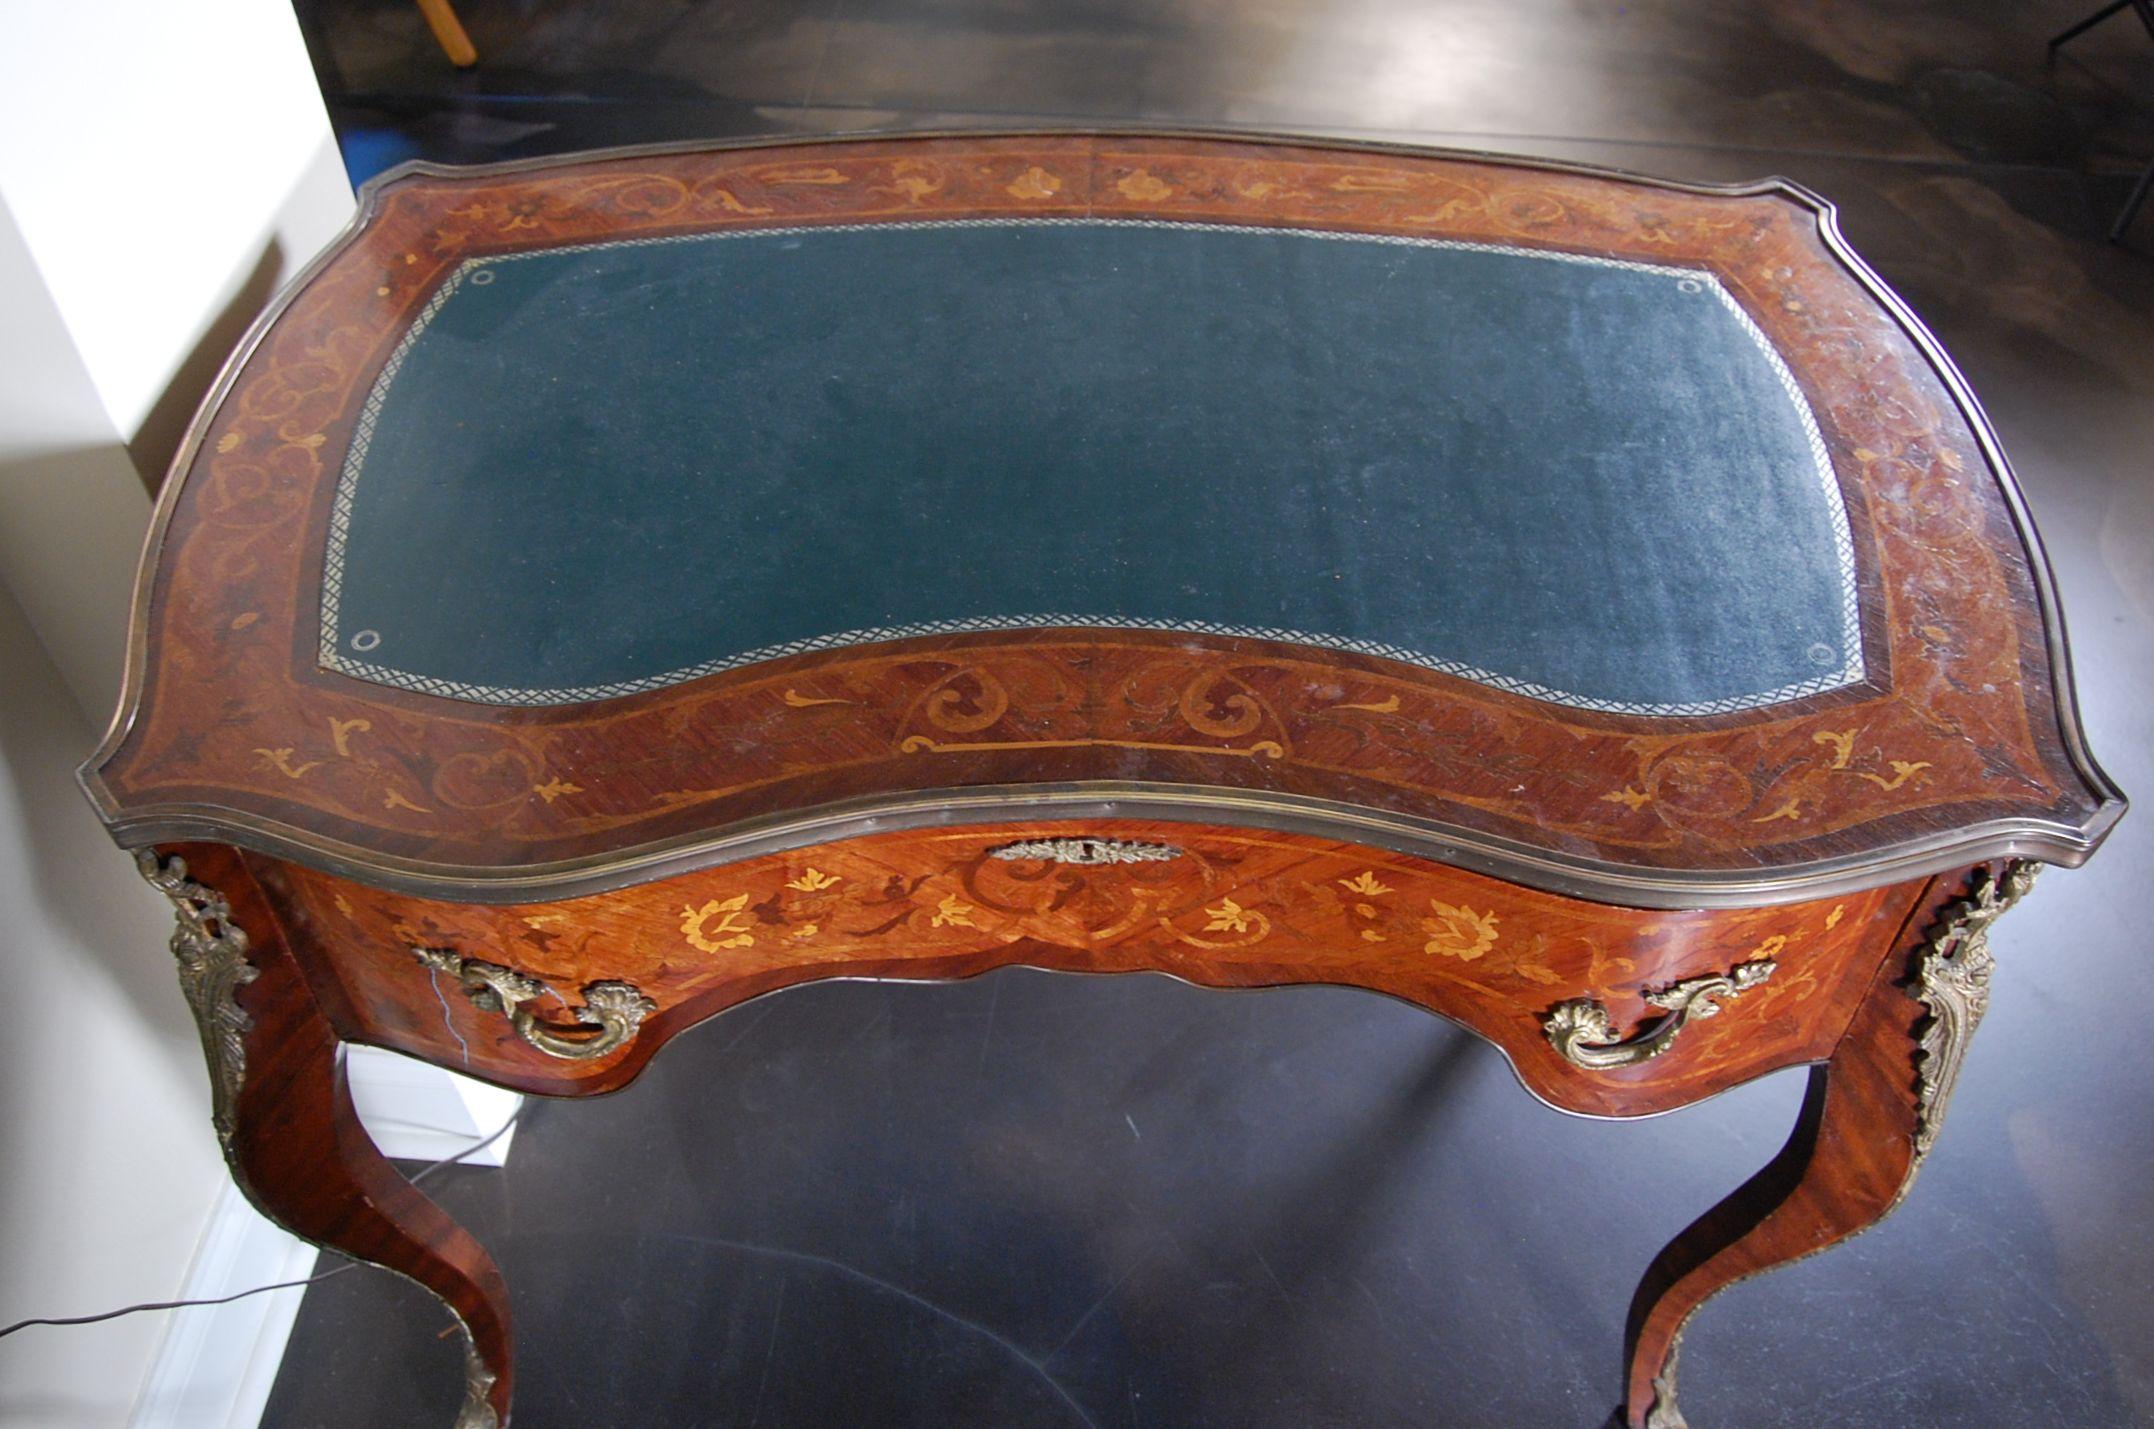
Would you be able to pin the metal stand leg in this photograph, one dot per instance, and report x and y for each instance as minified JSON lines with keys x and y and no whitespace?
{"x":2133,"y":204}
{"x":2087,"y":24}
{"x":2143,"y":8}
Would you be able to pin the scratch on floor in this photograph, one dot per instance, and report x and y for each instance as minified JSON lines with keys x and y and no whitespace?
{"x":802,"y":1257}
{"x":1277,"y":1283}
{"x":1866,"y":1387}
{"x":869,"y":1028}
{"x":433,"y":978}
{"x":1093,"y":1309}
{"x":770,"y":1352}
{"x":987,"y":1034}
{"x":1132,"y":1126}
{"x":1377,"y":1305}
{"x":754,"y":1022}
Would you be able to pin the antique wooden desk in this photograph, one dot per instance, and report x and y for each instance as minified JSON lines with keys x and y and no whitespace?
{"x":600,"y":593}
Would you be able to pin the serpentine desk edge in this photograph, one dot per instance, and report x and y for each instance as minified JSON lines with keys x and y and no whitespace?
{"x":1835,"y":892}
{"x":2065,"y":832}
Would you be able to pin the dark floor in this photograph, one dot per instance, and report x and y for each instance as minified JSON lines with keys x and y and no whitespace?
{"x":1037,"y":1200}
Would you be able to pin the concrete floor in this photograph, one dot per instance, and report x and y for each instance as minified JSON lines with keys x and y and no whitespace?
{"x":1035,"y":1200}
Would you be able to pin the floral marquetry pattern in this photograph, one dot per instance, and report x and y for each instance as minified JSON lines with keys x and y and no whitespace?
{"x":1459,"y":932}
{"x":1960,"y":722}
{"x":1229,"y":908}
{"x":1210,"y":805}
{"x":717,"y":925}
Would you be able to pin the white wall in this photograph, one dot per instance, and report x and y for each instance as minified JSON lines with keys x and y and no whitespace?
{"x":72,"y":506}
{"x":162,"y":168}
{"x":151,"y":152}
{"x":108,"y":1165}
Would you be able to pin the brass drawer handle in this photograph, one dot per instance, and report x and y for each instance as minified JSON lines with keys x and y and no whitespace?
{"x":612,"y":1010}
{"x":1581,"y":1031}
{"x":1086,"y":851}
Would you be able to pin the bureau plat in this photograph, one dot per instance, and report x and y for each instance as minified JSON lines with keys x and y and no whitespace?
{"x":600,"y":592}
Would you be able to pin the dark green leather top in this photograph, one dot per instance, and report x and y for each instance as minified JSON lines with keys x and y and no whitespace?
{"x":596,"y":470}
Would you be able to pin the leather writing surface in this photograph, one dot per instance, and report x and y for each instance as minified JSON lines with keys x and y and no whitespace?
{"x":599,"y":469}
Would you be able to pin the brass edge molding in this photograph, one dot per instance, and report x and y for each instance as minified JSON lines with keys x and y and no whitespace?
{"x":1665,"y":1413}
{"x":1095,"y":130}
{"x":368,"y":205}
{"x":1085,"y":851}
{"x":478,"y":1408}
{"x":1581,"y":1030}
{"x":1952,"y":976}
{"x":1566,"y":876}
{"x":2014,"y":838}
{"x":2064,"y":688}
{"x":212,"y":954}
{"x":608,"y":1020}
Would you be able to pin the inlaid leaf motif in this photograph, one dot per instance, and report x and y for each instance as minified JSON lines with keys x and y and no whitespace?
{"x":1704,"y":783}
{"x":1902,"y":771}
{"x":952,"y":913}
{"x":727,"y":931}
{"x":1457,"y":931}
{"x":1228,"y":917}
{"x":1143,"y":187}
{"x":1034,"y":183}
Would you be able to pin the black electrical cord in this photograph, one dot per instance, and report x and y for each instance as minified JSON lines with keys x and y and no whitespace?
{"x":416,"y":1178}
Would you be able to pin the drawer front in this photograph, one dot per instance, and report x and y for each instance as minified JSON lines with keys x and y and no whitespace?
{"x":1216,"y":906}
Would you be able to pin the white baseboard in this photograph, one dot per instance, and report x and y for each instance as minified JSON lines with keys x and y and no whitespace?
{"x":217,"y":1363}
{"x":418,"y":1112}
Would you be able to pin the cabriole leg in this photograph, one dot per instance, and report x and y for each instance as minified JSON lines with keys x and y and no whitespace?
{"x":1870,"y":1116}
{"x":285,"y":1116}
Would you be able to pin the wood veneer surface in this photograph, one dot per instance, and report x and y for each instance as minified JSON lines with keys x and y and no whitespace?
{"x":1960,"y":743}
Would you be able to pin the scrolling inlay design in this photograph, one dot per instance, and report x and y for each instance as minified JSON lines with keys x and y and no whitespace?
{"x":1236,"y":909}
{"x":212,"y":954}
{"x":462,"y":786}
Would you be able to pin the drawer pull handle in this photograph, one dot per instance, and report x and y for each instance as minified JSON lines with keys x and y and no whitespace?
{"x":1086,"y":851}
{"x":1581,"y":1031}
{"x":607,"y":1021}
